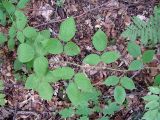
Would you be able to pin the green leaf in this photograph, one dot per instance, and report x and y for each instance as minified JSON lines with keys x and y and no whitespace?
{"x":150,"y":115}
{"x":67,"y":29}
{"x":148,"y":56}
{"x":45,"y":90}
{"x":110,"y":57}
{"x":64,"y":73}
{"x":152,"y":105}
{"x":71,"y":49}
{"x":83,"y":82}
{"x":11,"y":44}
{"x":84,"y":118}
{"x":99,"y":40}
{"x":2,"y":18}
{"x":92,"y":59}
{"x":157,"y":80}
{"x":83,"y":110}
{"x":119,"y":94}
{"x":46,"y":33}
{"x":25,"y":53}
{"x":10,"y":8}
{"x":136,"y":65}
{"x":32,"y":82}
{"x":3,"y":38}
{"x":111,"y":108}
{"x":73,"y":94}
{"x":151,"y":98}
{"x":17,"y":65}
{"x":111,"y":81}
{"x":127,"y":83}
{"x":154,"y":90}
{"x":29,"y":32}
{"x":20,"y":36}
{"x":67,"y":112}
{"x":134,"y":49}
{"x":12,"y":31}
{"x":21,"y":20}
{"x":22,"y":4}
{"x":50,"y":77}
{"x":40,"y":66}
{"x":54,"y":46}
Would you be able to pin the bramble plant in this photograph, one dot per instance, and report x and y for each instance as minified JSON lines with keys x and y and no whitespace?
{"x":33,"y":47}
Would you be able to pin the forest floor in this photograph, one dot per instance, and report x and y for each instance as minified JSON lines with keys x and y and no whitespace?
{"x":112,"y":16}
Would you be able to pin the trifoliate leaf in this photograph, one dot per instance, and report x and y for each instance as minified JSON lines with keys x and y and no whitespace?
{"x":45,"y":90}
{"x":71,"y":49}
{"x":25,"y":53}
{"x":136,"y":65}
{"x":148,"y":56}
{"x":92,"y":59}
{"x":110,"y":57}
{"x":127,"y":83}
{"x":99,"y":40}
{"x":29,"y":32}
{"x":11,"y":44}
{"x":54,"y":46}
{"x":111,"y":81}
{"x":64,"y":73}
{"x":10,"y":8}
{"x":21,"y":20}
{"x":32,"y":82}
{"x":22,"y":4}
{"x":73,"y":94}
{"x":67,"y":112}
{"x":134,"y":49}
{"x":40,"y":66}
{"x":83,"y":82}
{"x":67,"y":29}
{"x":20,"y":36}
{"x":3,"y":38}
{"x":119,"y":94}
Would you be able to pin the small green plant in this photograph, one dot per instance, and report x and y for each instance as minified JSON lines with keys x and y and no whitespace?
{"x":60,"y":3}
{"x":152,"y":105}
{"x":148,"y":32}
{"x":2,"y":95}
{"x":33,"y":47}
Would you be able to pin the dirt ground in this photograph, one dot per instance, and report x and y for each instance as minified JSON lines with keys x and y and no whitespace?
{"x":110,"y":15}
